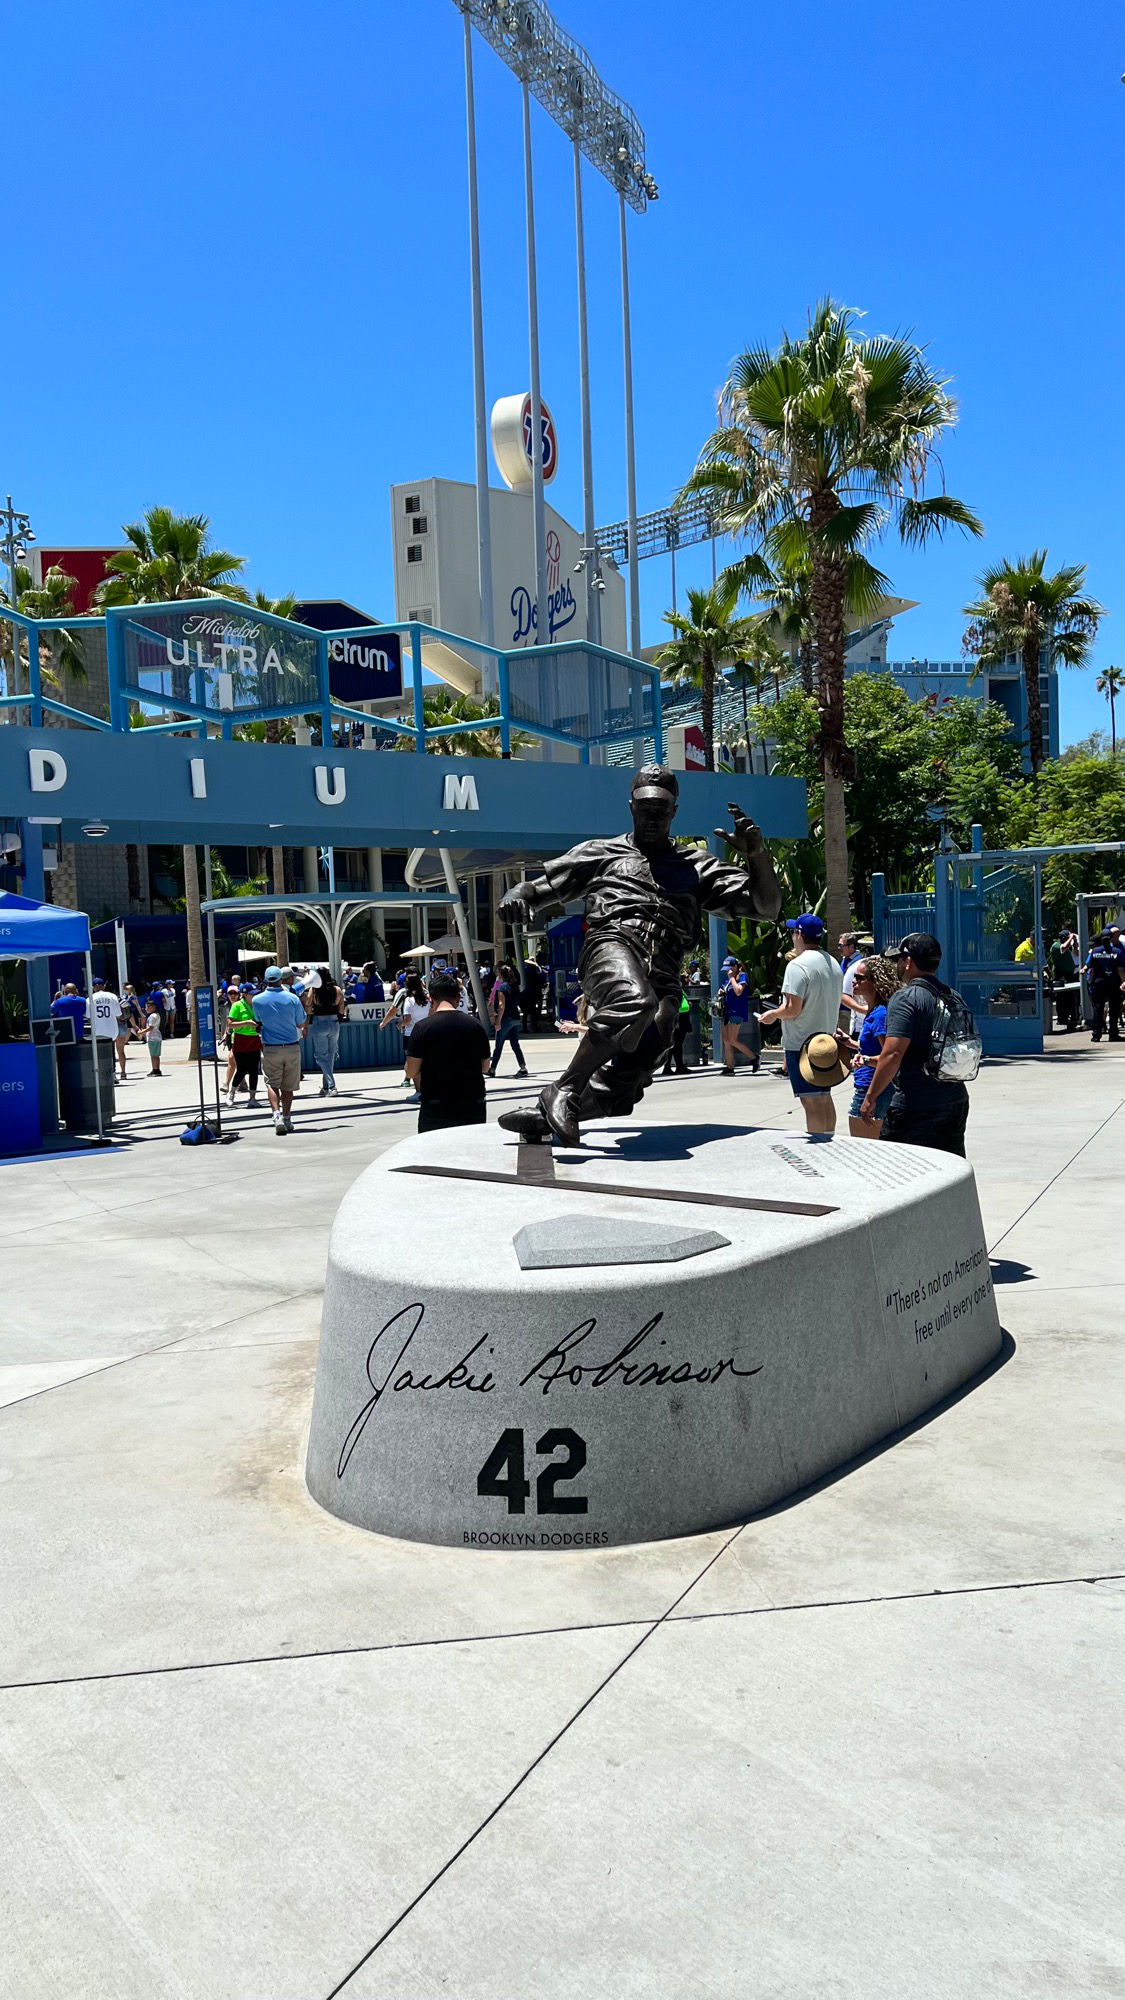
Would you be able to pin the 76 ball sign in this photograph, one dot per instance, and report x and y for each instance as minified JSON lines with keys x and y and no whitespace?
{"x":513,"y":441}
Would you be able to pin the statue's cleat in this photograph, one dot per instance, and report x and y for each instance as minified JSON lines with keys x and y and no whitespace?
{"x":559,"y":1107}
{"x":529,"y":1124}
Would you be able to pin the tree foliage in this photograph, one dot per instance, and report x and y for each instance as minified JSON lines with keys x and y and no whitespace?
{"x":1078,"y":798}
{"x":1044,"y":620}
{"x":823,"y":442}
{"x":60,"y":651}
{"x":909,"y":757}
{"x":710,"y":637}
{"x":169,"y":556}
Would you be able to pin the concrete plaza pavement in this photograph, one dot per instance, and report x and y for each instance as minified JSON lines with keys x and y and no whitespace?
{"x":865,"y":1747}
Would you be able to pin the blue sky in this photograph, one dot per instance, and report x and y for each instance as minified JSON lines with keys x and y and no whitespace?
{"x":241,"y":287}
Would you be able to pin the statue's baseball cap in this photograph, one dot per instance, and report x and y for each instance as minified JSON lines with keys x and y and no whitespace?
{"x":808,"y":923}
{"x":922,"y":947}
{"x":655,"y":781}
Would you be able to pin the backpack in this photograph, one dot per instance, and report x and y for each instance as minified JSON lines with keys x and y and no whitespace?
{"x":955,"y":1047}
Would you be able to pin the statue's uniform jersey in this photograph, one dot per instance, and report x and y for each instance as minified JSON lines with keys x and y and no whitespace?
{"x":650,"y":901}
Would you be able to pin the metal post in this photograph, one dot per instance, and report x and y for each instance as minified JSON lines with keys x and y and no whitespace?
{"x":34,"y":677}
{"x":212,"y":961}
{"x":484,"y":521}
{"x":419,"y":700}
{"x":589,"y":522}
{"x":630,"y":448}
{"x":464,"y":933}
{"x":122,"y":964}
{"x":717,"y":944}
{"x":538,"y":509}
{"x":35,"y":885}
{"x":504,"y":688}
{"x":324,"y":689}
{"x":13,"y":595}
{"x":672,"y":552}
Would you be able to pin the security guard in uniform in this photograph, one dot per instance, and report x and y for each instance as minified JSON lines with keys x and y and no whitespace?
{"x":1105,"y":977}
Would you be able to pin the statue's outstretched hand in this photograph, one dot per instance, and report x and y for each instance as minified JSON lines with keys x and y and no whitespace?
{"x":516,"y":905}
{"x":745,"y":834}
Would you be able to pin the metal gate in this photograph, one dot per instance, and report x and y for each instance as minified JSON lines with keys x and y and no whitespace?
{"x":986,"y":912}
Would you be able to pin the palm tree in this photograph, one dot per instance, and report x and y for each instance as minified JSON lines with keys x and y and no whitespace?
{"x":706,"y":640}
{"x":1111,"y":683}
{"x":820,"y":443}
{"x":764,"y":661}
{"x":1043,"y":619}
{"x":443,"y":706}
{"x":60,"y":651}
{"x":168,"y":557}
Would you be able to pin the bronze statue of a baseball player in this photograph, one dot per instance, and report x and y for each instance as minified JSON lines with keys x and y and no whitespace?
{"x":644,"y":899}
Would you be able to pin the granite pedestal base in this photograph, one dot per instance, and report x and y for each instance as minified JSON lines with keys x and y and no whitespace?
{"x":674,"y":1329}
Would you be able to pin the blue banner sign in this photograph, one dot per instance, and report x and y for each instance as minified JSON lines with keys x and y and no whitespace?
{"x":19,"y":1098}
{"x":359,"y":668}
{"x":205,"y":1018}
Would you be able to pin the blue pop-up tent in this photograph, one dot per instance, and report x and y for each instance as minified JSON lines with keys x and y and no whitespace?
{"x":35,"y":930}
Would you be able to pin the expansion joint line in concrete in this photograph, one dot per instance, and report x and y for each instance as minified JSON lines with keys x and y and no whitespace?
{"x":753,"y":1611}
{"x":162,"y":1347}
{"x":1064,"y":1169}
{"x":932,"y":1595}
{"x":525,"y":1775}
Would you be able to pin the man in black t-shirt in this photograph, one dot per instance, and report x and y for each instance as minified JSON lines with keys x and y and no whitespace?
{"x":925,"y":1110}
{"x":449,"y":1059}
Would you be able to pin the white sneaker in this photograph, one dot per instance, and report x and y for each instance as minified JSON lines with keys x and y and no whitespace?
{"x":230,"y":1099}
{"x":288,"y":1124}
{"x":279,"y":1125}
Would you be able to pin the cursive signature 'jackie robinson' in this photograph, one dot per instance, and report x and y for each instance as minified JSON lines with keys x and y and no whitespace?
{"x":625,"y":1368}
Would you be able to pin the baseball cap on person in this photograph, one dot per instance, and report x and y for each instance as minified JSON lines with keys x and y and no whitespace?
{"x":273,"y":975}
{"x":922,"y":947}
{"x":808,"y":923}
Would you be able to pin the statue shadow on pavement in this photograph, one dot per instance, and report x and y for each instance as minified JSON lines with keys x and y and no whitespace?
{"x":649,"y":1142}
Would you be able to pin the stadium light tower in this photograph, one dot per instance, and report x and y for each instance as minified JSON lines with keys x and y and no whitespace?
{"x":601,"y":127}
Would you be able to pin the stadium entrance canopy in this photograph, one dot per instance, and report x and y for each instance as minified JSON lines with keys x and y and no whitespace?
{"x":193,"y":674}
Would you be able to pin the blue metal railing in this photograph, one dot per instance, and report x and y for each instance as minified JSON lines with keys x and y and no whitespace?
{"x":636,"y":710}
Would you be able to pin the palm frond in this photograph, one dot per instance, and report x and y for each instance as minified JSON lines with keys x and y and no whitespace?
{"x":919,"y":519}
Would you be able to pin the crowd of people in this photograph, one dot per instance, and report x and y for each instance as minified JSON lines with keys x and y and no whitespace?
{"x":884,"y":1023}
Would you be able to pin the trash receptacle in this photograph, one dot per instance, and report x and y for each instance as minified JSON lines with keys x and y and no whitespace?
{"x":77,"y":1103}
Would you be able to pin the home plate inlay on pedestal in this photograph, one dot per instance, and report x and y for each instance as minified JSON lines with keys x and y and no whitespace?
{"x":634,"y":1340}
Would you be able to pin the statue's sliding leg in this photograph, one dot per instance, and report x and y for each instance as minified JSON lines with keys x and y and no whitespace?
{"x":628,"y":1027}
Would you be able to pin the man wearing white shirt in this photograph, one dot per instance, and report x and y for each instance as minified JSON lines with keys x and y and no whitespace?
{"x":810,"y":1005}
{"x":850,"y":957}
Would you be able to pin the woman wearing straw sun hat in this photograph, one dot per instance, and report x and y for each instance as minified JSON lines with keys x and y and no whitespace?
{"x":821,"y":1063}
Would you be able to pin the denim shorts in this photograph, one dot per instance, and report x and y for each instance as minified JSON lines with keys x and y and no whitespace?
{"x":882,"y":1102}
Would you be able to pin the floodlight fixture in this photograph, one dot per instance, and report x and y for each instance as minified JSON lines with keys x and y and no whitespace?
{"x":560,"y":74}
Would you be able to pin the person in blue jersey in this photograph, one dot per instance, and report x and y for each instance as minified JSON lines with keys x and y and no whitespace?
{"x":874,"y":980}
